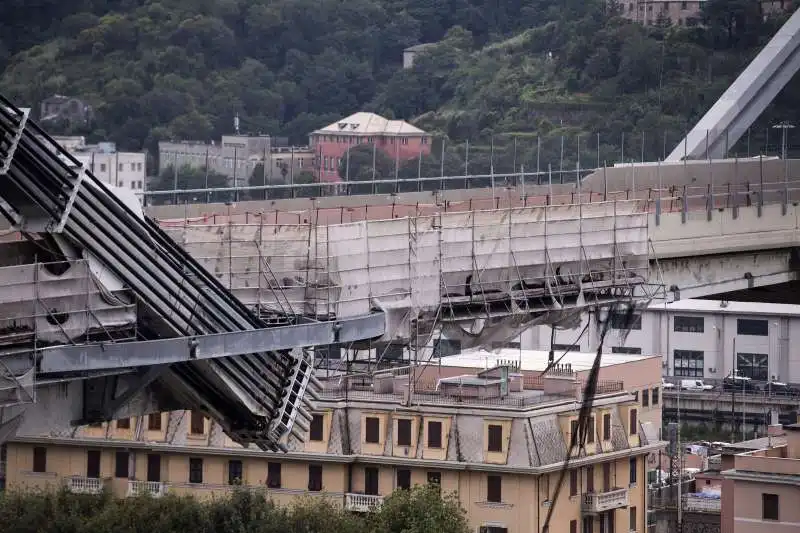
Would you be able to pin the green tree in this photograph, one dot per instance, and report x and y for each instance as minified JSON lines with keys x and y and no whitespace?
{"x":363,"y":162}
{"x":422,"y":509}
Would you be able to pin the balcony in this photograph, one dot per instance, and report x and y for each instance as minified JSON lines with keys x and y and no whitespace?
{"x":84,"y":485}
{"x":362,"y":503}
{"x":156,"y":489}
{"x":600,"y":502}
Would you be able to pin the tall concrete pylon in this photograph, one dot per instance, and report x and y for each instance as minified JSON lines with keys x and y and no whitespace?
{"x":745,"y":100}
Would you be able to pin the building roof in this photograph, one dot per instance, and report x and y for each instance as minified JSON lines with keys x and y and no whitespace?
{"x":728,"y":307}
{"x":535,"y":360}
{"x":536,"y":441}
{"x":419,"y":47}
{"x":363,"y":123}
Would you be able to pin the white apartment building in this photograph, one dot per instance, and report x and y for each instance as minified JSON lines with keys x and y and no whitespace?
{"x":121,"y":169}
{"x":698,"y":338}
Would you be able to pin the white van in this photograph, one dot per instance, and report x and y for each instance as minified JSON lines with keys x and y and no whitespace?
{"x":695,"y":385}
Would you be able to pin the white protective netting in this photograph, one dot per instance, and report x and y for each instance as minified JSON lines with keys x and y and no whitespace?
{"x":413,"y":264}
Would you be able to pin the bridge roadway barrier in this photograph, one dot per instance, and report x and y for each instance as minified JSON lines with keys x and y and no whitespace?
{"x":718,"y":407}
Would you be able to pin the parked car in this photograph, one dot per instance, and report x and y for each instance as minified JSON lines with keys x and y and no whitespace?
{"x":739,"y":384}
{"x":666,"y":384}
{"x":778,"y":388}
{"x":695,"y":385}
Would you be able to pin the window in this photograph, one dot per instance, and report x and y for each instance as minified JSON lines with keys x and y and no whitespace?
{"x":753,"y":365}
{"x":315,"y":478}
{"x":40,"y":459}
{"x":434,"y":434}
{"x":566,"y":347}
{"x":636,"y":395}
{"x":684,"y":5}
{"x":121,"y":464}
{"x":494,"y":489}
{"x":654,"y":396}
{"x":235,"y":472}
{"x":195,"y":470}
{"x":316,"y":428}
{"x":633,"y":427}
{"x":445,"y":347}
{"x":646,"y":398}
{"x":749,"y":326}
{"x":632,"y":467}
{"x":119,"y":166}
{"x":371,"y":481}
{"x":124,"y":423}
{"x":769,"y":507}
{"x":102,"y":167}
{"x":133,"y":167}
{"x":573,"y":526}
{"x":273,"y":475}
{"x":404,"y":479}
{"x":625,"y":321}
{"x":154,"y":422}
{"x":573,"y":430}
{"x":197,"y":423}
{"x":573,"y":482}
{"x":607,"y":426}
{"x":590,"y":432}
{"x":632,"y":350}
{"x":688,"y":324}
{"x":372,"y":430}
{"x":404,"y":432}
{"x":495,"y":438}
{"x":435,"y":478}
{"x":632,"y":517}
{"x":689,"y":363}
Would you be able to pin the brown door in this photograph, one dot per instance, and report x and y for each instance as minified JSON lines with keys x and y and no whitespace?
{"x":93,"y":464}
{"x":153,"y":467}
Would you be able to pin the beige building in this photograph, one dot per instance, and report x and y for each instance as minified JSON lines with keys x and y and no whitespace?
{"x":680,"y":13}
{"x":761,"y":492}
{"x":497,"y":438}
{"x":237,"y":156}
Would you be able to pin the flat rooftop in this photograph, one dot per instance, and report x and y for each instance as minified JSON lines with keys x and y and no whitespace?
{"x":535,"y":360}
{"x":728,"y":307}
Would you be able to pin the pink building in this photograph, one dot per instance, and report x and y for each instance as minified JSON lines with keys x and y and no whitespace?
{"x":398,"y":139}
{"x":761,"y":490}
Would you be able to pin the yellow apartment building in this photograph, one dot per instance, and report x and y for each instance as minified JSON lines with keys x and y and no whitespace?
{"x":498,"y":443}
{"x":761,"y":493}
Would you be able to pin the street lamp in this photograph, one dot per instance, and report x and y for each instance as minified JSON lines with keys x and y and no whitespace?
{"x":785,"y":126}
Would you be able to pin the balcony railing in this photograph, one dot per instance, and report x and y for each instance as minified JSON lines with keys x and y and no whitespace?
{"x":153,"y":488}
{"x":362,"y":503}
{"x":84,"y":485}
{"x":599,"y":502}
{"x":700,"y":504}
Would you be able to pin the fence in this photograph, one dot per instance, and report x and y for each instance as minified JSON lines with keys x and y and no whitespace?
{"x":499,"y":161}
